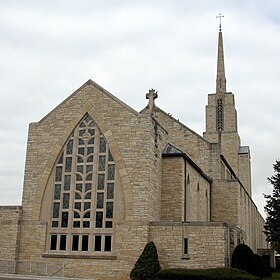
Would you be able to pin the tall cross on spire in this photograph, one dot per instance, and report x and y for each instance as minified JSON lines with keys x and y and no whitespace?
{"x":220,"y":20}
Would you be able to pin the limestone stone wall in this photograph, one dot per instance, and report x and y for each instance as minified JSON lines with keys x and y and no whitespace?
{"x":9,"y":231}
{"x":130,"y":136}
{"x":251,"y":221}
{"x":229,"y":116}
{"x":232,"y":204}
{"x":185,"y":192}
{"x":208,"y":244}
{"x":136,"y":142}
{"x":224,"y":201}
{"x":173,"y":193}
{"x":230,"y":143}
{"x":186,"y":140}
{"x":244,"y":171}
{"x":229,"y":139}
{"x":198,"y":196}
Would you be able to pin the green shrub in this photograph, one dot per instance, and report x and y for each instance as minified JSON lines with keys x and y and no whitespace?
{"x":243,"y":258}
{"x":147,"y":264}
{"x":205,"y":274}
{"x":262,"y":270}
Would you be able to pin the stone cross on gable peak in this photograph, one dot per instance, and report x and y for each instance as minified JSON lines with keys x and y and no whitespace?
{"x":151,"y":95}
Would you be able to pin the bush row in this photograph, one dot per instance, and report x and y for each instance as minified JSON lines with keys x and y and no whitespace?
{"x":205,"y":274}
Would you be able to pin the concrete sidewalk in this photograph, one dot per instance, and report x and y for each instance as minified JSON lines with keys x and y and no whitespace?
{"x":34,"y":277}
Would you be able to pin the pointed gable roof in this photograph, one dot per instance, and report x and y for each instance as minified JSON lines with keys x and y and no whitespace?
{"x":97,"y":86}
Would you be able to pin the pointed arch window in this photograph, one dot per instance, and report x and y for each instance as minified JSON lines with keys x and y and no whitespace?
{"x":84,"y":185}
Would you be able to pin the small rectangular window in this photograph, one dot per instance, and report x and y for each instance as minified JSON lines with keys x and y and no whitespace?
{"x":57,"y":190}
{"x":85,"y":243}
{"x":64,"y":220}
{"x":68,"y":164}
{"x":62,"y":242}
{"x":67,"y":182}
{"x":54,"y":223}
{"x":86,"y":224}
{"x":108,"y":243}
{"x":58,"y":174}
{"x":53,"y":241}
{"x":186,"y":248}
{"x":109,"y":210}
{"x":99,"y":220}
{"x":109,"y":224}
{"x":101,"y":179}
{"x":75,"y":243}
{"x":97,"y":243}
{"x":100,"y":200}
{"x":66,"y":197}
{"x":56,"y":207}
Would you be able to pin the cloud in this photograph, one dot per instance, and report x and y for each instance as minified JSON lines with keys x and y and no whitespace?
{"x":49,"y":49}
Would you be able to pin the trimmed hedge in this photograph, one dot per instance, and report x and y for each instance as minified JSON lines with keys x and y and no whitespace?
{"x":205,"y":274}
{"x":147,"y":264}
{"x":244,"y":258}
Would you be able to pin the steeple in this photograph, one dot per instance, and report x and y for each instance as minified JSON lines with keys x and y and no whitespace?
{"x":221,"y":77}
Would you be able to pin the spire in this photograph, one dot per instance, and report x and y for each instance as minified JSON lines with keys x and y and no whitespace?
{"x":221,"y":78}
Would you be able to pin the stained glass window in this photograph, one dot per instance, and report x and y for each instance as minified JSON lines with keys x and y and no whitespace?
{"x":101,"y":180}
{"x":109,"y":210}
{"x":102,"y":145}
{"x":110,"y":191}
{"x":58,"y":174}
{"x":111,"y":172}
{"x":100,"y":200}
{"x":66,"y":200}
{"x":64,"y":220}
{"x":102,"y":163}
{"x":83,"y":193}
{"x":67,"y":182}
{"x":57,"y":190}
{"x":56,"y":206}
{"x":69,"y":148}
{"x":68,"y":164}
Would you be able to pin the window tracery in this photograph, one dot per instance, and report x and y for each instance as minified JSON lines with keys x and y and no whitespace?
{"x":82,"y":217}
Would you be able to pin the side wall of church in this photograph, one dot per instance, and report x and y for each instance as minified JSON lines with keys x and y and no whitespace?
{"x":198,"y":196}
{"x":225,"y":201}
{"x":204,"y":239}
{"x":244,"y":171}
{"x":251,"y":221}
{"x":9,"y":231}
{"x":173,"y":185}
{"x":233,"y":205}
{"x":187,"y":141}
{"x":230,"y":144}
{"x":185,"y":192}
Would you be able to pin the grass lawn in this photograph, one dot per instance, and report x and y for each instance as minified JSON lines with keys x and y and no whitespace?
{"x":275,"y":276}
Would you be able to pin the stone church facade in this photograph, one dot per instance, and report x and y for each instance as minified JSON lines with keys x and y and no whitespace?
{"x":101,"y":180}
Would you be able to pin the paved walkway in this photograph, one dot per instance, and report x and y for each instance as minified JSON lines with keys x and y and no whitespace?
{"x":34,"y":277}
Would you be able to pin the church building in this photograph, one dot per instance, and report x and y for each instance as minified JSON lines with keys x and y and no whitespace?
{"x":102,"y":180}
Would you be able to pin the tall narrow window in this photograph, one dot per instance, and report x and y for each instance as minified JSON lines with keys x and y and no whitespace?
{"x":186,"y":246}
{"x":83,"y":193}
{"x":220,"y":115}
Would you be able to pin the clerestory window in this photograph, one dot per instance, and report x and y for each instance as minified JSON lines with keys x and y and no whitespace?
{"x":82,"y":218}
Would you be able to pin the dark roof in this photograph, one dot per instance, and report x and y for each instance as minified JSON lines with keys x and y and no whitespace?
{"x":244,"y":150}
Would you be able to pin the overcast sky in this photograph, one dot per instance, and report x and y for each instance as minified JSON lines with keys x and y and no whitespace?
{"x":48,"y":49}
